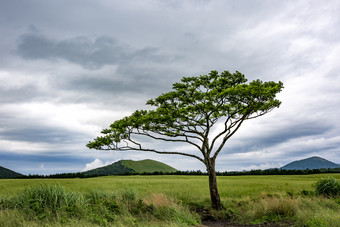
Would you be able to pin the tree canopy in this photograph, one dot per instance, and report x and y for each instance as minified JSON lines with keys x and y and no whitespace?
{"x":189,"y":113}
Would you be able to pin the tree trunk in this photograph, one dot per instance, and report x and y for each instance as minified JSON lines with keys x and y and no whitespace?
{"x":214,"y":196}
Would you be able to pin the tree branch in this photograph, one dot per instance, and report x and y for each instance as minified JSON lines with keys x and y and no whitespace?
{"x":239,"y":123}
{"x":128,"y":147}
{"x":169,"y":140}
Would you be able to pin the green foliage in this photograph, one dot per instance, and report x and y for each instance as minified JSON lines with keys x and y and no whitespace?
{"x":329,"y":187}
{"x":189,"y":111}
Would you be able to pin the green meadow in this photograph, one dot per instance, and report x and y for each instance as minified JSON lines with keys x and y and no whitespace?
{"x":254,"y":200}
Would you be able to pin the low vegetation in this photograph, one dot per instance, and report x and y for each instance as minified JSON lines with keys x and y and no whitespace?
{"x":168,"y":201}
{"x":54,"y":205}
{"x":329,"y":187}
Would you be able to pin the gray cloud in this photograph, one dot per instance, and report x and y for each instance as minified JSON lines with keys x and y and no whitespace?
{"x":291,"y":130}
{"x":67,"y":70}
{"x":89,"y":53}
{"x":40,"y":134}
{"x":130,"y":71}
{"x":22,"y":94}
{"x":271,"y":140}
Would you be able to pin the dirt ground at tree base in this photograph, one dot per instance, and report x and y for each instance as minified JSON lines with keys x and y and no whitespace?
{"x":230,"y":224}
{"x":209,"y":220}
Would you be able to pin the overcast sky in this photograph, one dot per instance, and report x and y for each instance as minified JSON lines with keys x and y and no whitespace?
{"x":70,"y":68}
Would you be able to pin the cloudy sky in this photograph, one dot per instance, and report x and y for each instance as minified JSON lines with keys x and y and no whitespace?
{"x":70,"y":68}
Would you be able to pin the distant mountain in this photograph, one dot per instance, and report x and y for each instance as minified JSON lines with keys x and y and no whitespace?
{"x":129,"y":166}
{"x":7,"y":173}
{"x":311,"y":163}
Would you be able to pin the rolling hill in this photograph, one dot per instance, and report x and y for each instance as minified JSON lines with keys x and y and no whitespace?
{"x":310,"y":163}
{"x":7,"y":173}
{"x":129,"y":166}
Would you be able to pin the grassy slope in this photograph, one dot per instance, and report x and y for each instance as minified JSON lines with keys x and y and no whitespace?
{"x":311,"y":163}
{"x":6,"y":173}
{"x":129,"y":166}
{"x":147,"y":166}
{"x":113,"y":169}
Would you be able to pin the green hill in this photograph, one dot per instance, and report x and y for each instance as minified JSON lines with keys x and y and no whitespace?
{"x":311,"y":163}
{"x":129,"y":166}
{"x":7,"y":173}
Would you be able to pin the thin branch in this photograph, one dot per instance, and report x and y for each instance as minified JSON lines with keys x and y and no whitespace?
{"x":229,"y":135}
{"x":175,"y":134}
{"x":227,"y":128}
{"x":156,"y":151}
{"x":259,"y":115}
{"x":170,"y":140}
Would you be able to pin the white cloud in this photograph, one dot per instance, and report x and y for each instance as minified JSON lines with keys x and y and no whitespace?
{"x":95,"y":164}
{"x":267,"y":165}
{"x":24,"y":147}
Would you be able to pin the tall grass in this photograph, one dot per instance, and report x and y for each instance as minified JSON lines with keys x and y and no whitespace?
{"x":151,"y":200}
{"x":47,"y":200}
{"x":318,"y":211}
{"x":54,"y":205}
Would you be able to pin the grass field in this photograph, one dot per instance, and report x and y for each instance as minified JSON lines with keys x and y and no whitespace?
{"x":248,"y":199}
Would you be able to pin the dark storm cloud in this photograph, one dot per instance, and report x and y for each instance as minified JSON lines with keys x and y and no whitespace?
{"x":89,"y":53}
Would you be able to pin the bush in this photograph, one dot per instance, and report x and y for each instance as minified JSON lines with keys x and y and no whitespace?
{"x":328,"y":187}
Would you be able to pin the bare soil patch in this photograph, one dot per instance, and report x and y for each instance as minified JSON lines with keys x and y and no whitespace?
{"x":219,"y":223}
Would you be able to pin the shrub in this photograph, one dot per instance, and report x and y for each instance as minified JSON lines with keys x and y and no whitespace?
{"x":328,"y":187}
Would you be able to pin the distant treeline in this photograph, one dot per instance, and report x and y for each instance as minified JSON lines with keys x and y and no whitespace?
{"x":275,"y":171}
{"x":59,"y":175}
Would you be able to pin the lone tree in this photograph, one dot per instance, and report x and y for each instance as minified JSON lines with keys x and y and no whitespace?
{"x":190,"y":114}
